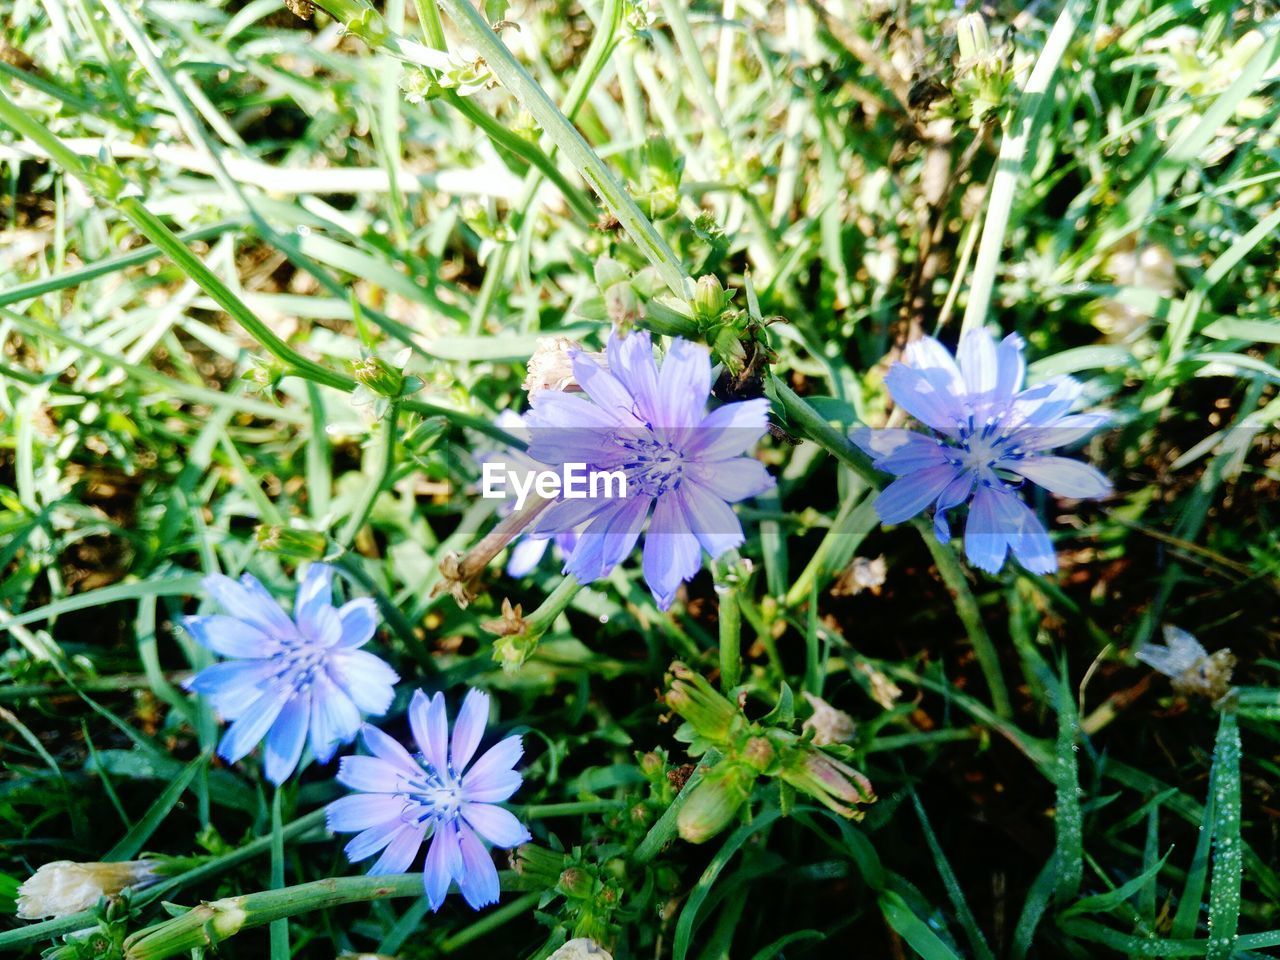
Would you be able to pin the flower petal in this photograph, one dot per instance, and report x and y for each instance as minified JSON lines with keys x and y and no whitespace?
{"x":924,"y":394}
{"x":387,"y":748}
{"x":444,"y":861}
{"x":334,"y":718}
{"x":230,"y":636}
{"x":729,"y":430}
{"x":1028,"y":539}
{"x":232,"y":687}
{"x":907,"y":496}
{"x":1063,"y":476}
{"x":498,"y":826}
{"x":248,"y":600}
{"x":608,"y":538}
{"x":366,"y":679}
{"x":360,"y":811}
{"x":567,"y":428}
{"x":478,"y":878}
{"x":567,"y":515}
{"x":315,"y":593}
{"x":370,"y":774}
{"x":399,"y":853}
{"x":671,"y":551}
{"x":359,"y":621}
{"x":732,"y":480}
{"x":525,"y":555}
{"x":365,"y":844}
{"x":491,"y":779}
{"x":1062,"y":432}
{"x":247,"y":732}
{"x":899,"y":451}
{"x":712,"y":521}
{"x":430,"y":726}
{"x":684,"y":383}
{"x":927,"y":354}
{"x":979,"y":365}
{"x":606,"y":390}
{"x":631,"y":361}
{"x":468,"y":728}
{"x":985,"y":543}
{"x":286,"y":738}
{"x":1011,"y":366}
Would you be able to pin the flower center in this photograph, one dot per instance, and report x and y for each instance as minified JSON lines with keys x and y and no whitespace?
{"x":300,"y":661}
{"x":655,"y":466}
{"x":433,"y":796}
{"x":982,"y":445}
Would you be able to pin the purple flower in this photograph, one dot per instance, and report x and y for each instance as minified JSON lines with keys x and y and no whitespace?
{"x":289,"y":677}
{"x":987,"y":436}
{"x":437,"y":794}
{"x":685,"y":464}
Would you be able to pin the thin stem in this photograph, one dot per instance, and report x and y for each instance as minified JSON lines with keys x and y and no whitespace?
{"x":540,"y":620}
{"x":730,"y":637}
{"x":662,"y":832}
{"x":383,"y":466}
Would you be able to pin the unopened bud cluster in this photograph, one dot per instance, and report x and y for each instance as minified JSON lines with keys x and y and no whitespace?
{"x":749,"y":750}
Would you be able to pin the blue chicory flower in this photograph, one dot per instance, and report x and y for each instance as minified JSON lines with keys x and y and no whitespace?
{"x":685,"y":464}
{"x":289,"y":677}
{"x":987,"y":436}
{"x":437,"y":794}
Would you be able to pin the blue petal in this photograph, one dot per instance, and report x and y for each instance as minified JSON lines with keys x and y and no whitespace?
{"x":984,"y":542}
{"x":907,"y":496}
{"x":233,"y":686}
{"x":729,"y":430}
{"x":567,"y":515}
{"x":444,"y":861}
{"x":1062,"y":432}
{"x":684,"y":383}
{"x":478,"y":879}
{"x":712,"y":521}
{"x":567,"y":428}
{"x":284,"y":742}
{"x":334,"y":718}
{"x":399,"y":853}
{"x":631,"y":361}
{"x":926,"y":398}
{"x":358,"y":620}
{"x":606,"y":391}
{"x":1063,"y":476}
{"x":1027,"y":537}
{"x":365,"y":679}
{"x":360,"y":811}
{"x":315,"y":593}
{"x":245,"y":734}
{"x":370,"y":774}
{"x":671,"y":551}
{"x":248,"y":600}
{"x":978,"y":361}
{"x":500,"y":827}
{"x":732,"y":480}
{"x":928,"y":355}
{"x":367,"y":843}
{"x":386,"y":748}
{"x":1045,"y":403}
{"x":468,"y":728}
{"x":430,"y":726}
{"x":491,"y":779}
{"x":608,"y":538}
{"x":525,"y":555}
{"x":230,"y":636}
{"x":1011,"y":365}
{"x":899,"y":451}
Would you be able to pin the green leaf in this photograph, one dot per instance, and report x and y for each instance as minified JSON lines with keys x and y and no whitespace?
{"x":141,"y":831}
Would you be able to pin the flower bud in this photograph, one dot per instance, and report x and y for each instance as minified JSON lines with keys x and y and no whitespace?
{"x":758,"y":754}
{"x":651,"y":763}
{"x":379,"y":377}
{"x":610,"y":272}
{"x":709,"y":298}
{"x":63,"y":887}
{"x":691,"y":696}
{"x":972,"y":37}
{"x":714,"y":802}
{"x":531,"y":860}
{"x":291,"y":541}
{"x":834,"y":784}
{"x":576,"y":882}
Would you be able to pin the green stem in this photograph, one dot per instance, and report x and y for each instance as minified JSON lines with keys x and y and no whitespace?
{"x":279,"y":930}
{"x":491,"y":921}
{"x":542,"y":811}
{"x":475,"y":31}
{"x":540,"y":620}
{"x":384,"y":465}
{"x":730,"y":637}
